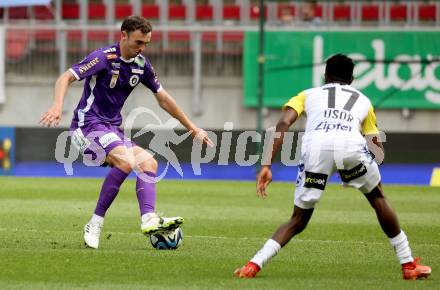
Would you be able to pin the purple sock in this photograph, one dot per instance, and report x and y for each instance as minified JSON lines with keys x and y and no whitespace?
{"x":146,"y":192}
{"x":109,"y":190}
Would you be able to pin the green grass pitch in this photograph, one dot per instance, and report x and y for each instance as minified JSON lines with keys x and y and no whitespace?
{"x":41,"y":244}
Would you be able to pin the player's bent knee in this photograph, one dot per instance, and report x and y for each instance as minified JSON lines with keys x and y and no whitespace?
{"x":121,"y":158}
{"x":149,"y":165}
{"x":145,"y":160}
{"x":375,"y":193}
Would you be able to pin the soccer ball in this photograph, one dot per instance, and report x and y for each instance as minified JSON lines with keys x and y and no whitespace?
{"x":169,"y":240}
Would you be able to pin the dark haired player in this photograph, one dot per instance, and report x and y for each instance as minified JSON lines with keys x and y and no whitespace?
{"x":338,"y":116}
{"x":110,"y":74}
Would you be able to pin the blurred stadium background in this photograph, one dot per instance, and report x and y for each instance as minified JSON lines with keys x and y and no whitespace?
{"x":205,"y":53}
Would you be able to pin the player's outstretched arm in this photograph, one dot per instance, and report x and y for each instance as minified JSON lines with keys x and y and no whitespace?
{"x":52,"y":116}
{"x":167,"y":102}
{"x":264,"y":177}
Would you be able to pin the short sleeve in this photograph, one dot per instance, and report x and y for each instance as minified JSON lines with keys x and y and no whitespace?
{"x":150,"y":79}
{"x":90,"y":65}
{"x":297,"y":103}
{"x":369,"y":126}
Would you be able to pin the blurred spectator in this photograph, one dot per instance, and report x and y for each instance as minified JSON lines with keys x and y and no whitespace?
{"x":286,"y":16}
{"x":308,"y":12}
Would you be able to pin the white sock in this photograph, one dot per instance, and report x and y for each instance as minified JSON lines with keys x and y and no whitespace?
{"x":401,"y":246}
{"x":146,"y":216}
{"x":267,"y":252}
{"x":96,"y":219}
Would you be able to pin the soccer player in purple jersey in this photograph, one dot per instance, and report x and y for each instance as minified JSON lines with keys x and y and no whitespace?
{"x":110,"y":74}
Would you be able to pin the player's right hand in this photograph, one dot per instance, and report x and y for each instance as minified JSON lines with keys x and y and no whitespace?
{"x":263,"y":179}
{"x":51,"y":118}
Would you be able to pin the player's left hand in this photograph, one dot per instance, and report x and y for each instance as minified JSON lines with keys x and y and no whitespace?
{"x":201,"y":136}
{"x":264,"y":178}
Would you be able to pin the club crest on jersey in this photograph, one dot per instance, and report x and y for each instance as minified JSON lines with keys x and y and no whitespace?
{"x":116,"y":65}
{"x":134,"y":79}
{"x":114,"y":79}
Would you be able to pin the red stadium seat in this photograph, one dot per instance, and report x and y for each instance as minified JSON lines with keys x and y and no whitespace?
{"x":209,"y":36}
{"x":156,"y":36}
{"x":233,"y":43}
{"x":229,"y":36}
{"x":150,"y":11}
{"x":98,"y":35}
{"x":43,"y":13}
{"x":177,"y":12}
{"x":123,"y":10}
{"x":74,"y":35}
{"x":318,"y":11}
{"x":45,"y":40}
{"x":341,"y":12}
{"x":179,"y":42}
{"x":231,"y":12}
{"x":96,"y":11}
{"x":398,"y":12}
{"x":179,"y":36}
{"x":204,"y":12}
{"x":370,"y":12}
{"x":117,"y":35}
{"x":18,"y":12}
{"x":45,"y":35}
{"x":427,"y":12}
{"x":70,"y":11}
{"x":17,"y":43}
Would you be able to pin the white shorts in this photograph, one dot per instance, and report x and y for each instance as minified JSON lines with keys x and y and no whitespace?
{"x":356,"y":169}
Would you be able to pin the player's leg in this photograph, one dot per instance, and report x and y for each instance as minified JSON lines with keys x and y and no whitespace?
{"x":311,"y":182}
{"x":296,"y":224}
{"x":121,"y":168}
{"x":146,"y":170}
{"x":385,"y":214}
{"x":411,"y":269}
{"x":102,"y":144}
{"x":363,"y":173}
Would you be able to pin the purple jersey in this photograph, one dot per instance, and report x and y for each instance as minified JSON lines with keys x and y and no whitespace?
{"x":109,"y":80}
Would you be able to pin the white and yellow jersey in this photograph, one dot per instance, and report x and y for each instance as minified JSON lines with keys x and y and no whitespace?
{"x":336,"y":115}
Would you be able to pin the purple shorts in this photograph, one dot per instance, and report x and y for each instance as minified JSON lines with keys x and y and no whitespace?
{"x":95,"y":141}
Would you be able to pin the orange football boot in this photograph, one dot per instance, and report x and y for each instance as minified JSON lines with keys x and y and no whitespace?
{"x":250,"y":270}
{"x":414,"y":271}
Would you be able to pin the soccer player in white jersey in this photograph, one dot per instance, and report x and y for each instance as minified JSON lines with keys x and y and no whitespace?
{"x":110,"y":74}
{"x":338,"y":118}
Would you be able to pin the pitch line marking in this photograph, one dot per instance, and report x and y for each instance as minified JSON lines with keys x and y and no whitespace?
{"x":224,"y":238}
